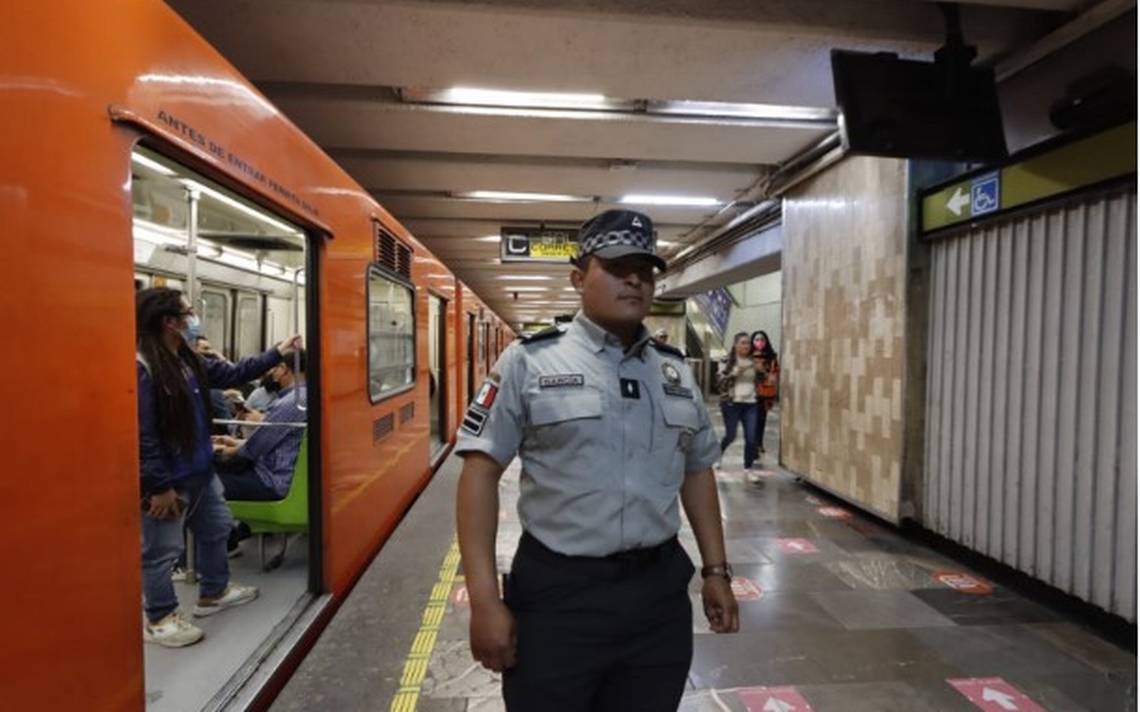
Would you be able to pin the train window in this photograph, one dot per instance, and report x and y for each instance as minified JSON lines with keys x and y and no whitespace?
{"x":213,"y":311}
{"x":248,"y":326}
{"x":391,"y":335}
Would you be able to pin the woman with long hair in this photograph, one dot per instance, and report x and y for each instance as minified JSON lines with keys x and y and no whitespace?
{"x":736,"y":381}
{"x":767,"y":381}
{"x":177,"y":479}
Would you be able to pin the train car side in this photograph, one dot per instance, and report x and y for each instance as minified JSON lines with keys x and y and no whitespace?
{"x":72,"y":112}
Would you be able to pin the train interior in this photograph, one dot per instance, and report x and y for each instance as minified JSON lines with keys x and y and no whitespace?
{"x":243,"y":270}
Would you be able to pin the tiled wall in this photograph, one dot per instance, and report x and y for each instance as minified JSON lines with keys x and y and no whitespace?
{"x":844,"y":267}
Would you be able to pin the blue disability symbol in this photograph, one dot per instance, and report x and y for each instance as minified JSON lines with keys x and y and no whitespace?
{"x":985,"y":195}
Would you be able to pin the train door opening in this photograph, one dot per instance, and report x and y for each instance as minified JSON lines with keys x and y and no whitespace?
{"x":437,"y":377}
{"x":240,"y":275}
{"x":470,"y":359}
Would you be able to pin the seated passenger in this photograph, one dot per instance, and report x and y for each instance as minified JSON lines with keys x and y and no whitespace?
{"x":261,"y":468}
{"x":264,"y":395}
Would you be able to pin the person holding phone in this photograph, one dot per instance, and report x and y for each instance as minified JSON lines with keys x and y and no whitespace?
{"x":767,"y":366}
{"x":177,"y":479}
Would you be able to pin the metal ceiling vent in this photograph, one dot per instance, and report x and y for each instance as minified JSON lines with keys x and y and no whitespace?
{"x":390,"y":252}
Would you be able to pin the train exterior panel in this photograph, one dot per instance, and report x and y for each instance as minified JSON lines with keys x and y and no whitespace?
{"x":75,"y":102}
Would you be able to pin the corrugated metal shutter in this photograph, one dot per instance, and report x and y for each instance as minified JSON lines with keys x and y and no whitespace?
{"x":1031,"y":395}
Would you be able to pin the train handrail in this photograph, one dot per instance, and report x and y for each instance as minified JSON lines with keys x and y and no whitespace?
{"x":257,"y":423}
{"x":297,"y":327}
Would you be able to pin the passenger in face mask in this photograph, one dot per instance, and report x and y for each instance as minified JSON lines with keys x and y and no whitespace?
{"x":176,"y":480}
{"x":264,"y":395}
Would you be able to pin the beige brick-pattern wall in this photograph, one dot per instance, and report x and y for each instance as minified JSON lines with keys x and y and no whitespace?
{"x":844,"y":266}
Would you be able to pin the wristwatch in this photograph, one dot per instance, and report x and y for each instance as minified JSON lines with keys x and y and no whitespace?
{"x":722,"y":570}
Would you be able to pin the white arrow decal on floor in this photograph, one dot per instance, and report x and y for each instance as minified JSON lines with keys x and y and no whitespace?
{"x":1005,"y":701}
{"x":775,"y":705}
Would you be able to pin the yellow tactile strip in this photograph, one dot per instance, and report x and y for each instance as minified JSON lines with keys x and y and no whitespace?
{"x":415,"y":666}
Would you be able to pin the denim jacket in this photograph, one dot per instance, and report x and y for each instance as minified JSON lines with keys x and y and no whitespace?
{"x":160,"y":466}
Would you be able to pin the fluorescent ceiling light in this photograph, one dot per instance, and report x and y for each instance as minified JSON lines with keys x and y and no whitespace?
{"x":666,"y":243}
{"x":489,"y":238}
{"x":671,"y":200}
{"x":512,"y":196}
{"x":240,"y":206}
{"x":151,"y":164}
{"x":526,"y":289}
{"x":741,"y":110}
{"x":524,"y":99}
{"x":526,"y":277}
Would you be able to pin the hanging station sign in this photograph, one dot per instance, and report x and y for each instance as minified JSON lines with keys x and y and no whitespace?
{"x":1037,"y":175}
{"x":538,"y":244}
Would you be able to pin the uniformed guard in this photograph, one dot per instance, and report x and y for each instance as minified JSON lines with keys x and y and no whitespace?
{"x":610,"y":428}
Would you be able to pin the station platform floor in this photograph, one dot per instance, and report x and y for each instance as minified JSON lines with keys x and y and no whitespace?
{"x":839,"y":613}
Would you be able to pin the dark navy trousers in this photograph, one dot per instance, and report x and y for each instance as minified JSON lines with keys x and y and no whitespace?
{"x":599,"y":634}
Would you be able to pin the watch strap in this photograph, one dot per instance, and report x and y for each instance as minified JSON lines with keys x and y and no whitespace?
{"x":722,"y":570}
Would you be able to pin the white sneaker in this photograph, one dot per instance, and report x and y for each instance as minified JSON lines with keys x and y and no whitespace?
{"x":178,"y":575}
{"x":235,"y":595}
{"x":172,"y":632}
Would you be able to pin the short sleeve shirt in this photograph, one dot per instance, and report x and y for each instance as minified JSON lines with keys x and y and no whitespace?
{"x":606,"y":436}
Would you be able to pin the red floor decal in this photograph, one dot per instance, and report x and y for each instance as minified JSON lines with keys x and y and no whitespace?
{"x":797,"y":546}
{"x":962,"y":582}
{"x":994,"y":694}
{"x":745,"y":590}
{"x":773,"y":699}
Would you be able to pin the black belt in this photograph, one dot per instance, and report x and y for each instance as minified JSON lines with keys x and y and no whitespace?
{"x":631,"y":558}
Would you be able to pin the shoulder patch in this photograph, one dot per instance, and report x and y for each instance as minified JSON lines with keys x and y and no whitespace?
{"x":667,"y":349}
{"x":549,"y":332}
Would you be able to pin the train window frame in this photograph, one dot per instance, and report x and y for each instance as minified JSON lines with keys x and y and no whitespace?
{"x":209,"y":289}
{"x":378,"y":270}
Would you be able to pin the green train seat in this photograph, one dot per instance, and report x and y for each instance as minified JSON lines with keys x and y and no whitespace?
{"x":283,"y":516}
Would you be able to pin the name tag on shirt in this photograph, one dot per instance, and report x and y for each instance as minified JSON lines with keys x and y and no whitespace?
{"x":562,"y":380}
{"x":678,"y":391}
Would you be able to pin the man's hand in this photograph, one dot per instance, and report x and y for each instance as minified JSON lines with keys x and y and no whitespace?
{"x":493,"y":635}
{"x":720,"y":605}
{"x":165,"y":505}
{"x":288,"y":346}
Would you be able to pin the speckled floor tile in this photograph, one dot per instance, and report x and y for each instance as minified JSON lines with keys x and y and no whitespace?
{"x":863,"y":610}
{"x":1001,"y":606}
{"x":881,"y":574}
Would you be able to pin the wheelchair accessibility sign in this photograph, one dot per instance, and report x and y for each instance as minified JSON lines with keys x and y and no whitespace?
{"x":985,"y":194}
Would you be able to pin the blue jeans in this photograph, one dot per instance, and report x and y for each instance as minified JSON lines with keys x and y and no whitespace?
{"x":744,"y":414}
{"x":209,"y":519}
{"x":246,"y":486}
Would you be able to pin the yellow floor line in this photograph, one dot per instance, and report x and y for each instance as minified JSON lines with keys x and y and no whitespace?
{"x":415,"y":665}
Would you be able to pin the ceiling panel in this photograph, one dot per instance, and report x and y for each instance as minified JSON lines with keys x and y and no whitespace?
{"x":533,"y":212}
{"x":333,"y":67}
{"x":362,"y":123}
{"x":456,"y":172}
{"x":730,"y":50}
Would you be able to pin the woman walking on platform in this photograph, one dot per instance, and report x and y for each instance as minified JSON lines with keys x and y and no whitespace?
{"x":767,"y":367}
{"x":737,"y":384}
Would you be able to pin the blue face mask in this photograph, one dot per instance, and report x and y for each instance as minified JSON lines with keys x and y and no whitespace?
{"x":192,"y":330}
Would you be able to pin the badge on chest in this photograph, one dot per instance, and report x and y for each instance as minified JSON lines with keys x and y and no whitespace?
{"x":672,"y":383}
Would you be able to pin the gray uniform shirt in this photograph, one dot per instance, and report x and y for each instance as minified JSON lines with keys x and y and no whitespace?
{"x":605,"y":435}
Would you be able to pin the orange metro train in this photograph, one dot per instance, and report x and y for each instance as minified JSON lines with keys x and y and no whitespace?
{"x":132,"y":154}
